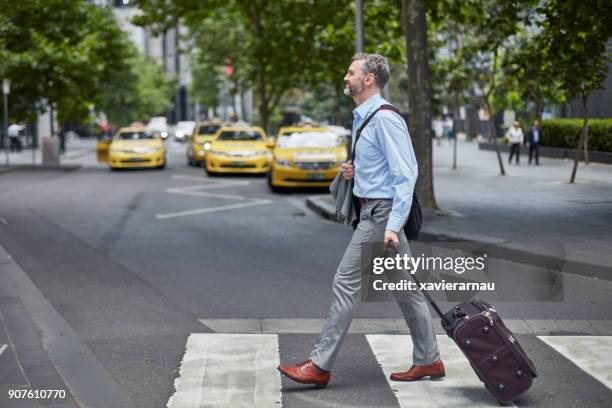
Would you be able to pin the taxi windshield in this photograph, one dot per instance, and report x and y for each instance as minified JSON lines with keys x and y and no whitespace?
{"x":308,"y":139}
{"x":208,"y":129}
{"x":240,"y":135}
{"x":140,"y":135}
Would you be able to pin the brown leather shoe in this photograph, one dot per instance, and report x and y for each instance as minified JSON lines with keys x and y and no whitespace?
{"x":415,"y":373}
{"x":306,"y":373}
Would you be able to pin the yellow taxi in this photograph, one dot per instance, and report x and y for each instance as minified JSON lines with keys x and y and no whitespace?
{"x":136,"y":147}
{"x":239,"y":149}
{"x":201,"y":140}
{"x":306,"y":156}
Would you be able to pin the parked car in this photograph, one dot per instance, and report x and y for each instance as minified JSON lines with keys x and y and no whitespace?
{"x":183,"y":129}
{"x":306,"y":156}
{"x":133,"y":147}
{"x":201,"y":140}
{"x":239,"y":149}
{"x":159,"y":124}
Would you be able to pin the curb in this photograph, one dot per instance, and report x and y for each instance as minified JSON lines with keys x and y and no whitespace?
{"x":88,"y":381}
{"x":30,"y":167}
{"x":498,"y":248}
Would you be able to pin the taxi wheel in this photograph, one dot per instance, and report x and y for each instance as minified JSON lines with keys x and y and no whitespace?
{"x":190,"y":161}
{"x":272,"y":187}
{"x":162,"y":166}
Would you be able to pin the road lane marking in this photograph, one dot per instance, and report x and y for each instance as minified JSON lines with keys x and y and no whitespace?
{"x":378,"y":326}
{"x":229,"y":370}
{"x":211,"y":209}
{"x":197,"y":190}
{"x":212,"y":183}
{"x":296,"y":326}
{"x":2,"y":348}
{"x":460,"y":388}
{"x":590,"y":353}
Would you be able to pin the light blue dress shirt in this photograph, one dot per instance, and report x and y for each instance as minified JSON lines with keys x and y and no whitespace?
{"x":385,"y":164}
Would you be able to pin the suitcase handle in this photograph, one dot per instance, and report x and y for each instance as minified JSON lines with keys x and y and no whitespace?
{"x":446,"y":322}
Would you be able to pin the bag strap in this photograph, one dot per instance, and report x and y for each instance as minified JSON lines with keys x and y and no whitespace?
{"x":365,"y":123}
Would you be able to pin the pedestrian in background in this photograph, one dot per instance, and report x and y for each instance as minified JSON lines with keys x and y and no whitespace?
{"x":438,"y":128}
{"x":515,"y":139}
{"x":534,"y":137}
{"x":14,"y":136}
{"x":62,"y":140}
{"x":449,"y":129}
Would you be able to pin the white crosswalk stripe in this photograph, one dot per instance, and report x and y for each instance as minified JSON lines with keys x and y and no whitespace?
{"x":239,"y":370}
{"x":590,"y":353}
{"x":229,"y":370}
{"x":2,"y":348}
{"x":460,"y":388}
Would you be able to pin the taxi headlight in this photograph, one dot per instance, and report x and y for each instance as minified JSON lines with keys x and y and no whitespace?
{"x":283,"y":162}
{"x":207,"y":146}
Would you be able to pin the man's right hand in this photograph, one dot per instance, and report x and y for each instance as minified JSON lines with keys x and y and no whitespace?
{"x":347,"y":169}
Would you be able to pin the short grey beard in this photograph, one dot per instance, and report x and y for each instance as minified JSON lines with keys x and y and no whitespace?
{"x":348,"y":91}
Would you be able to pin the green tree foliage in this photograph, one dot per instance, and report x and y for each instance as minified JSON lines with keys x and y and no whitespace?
{"x":72,"y":54}
{"x":526,"y":74}
{"x":275,"y":46}
{"x":574,"y":38}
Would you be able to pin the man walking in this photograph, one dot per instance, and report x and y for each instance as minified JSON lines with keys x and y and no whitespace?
{"x":384,"y":172}
{"x":515,"y":139}
{"x":14,"y":136}
{"x":534,"y":136}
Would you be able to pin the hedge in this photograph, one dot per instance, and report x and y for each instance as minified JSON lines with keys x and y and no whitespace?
{"x":566,"y":132}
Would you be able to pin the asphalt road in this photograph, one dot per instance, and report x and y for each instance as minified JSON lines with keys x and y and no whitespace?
{"x":133,"y":259}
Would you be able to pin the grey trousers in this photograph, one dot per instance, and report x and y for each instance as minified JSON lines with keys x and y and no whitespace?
{"x":346,"y":292}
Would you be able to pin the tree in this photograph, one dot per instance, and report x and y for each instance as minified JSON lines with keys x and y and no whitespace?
{"x":528,"y":73}
{"x":272,"y":45}
{"x":419,"y":96}
{"x":574,"y":38}
{"x":70,"y":55}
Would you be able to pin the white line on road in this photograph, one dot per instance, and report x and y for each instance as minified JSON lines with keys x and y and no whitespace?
{"x":389,"y":326}
{"x":229,"y":370}
{"x":590,"y":353}
{"x":2,"y":348}
{"x":196,"y":190}
{"x":460,"y":388}
{"x":213,"y":183}
{"x":211,"y":209}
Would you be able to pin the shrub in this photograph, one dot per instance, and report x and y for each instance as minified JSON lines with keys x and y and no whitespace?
{"x":566,"y":132}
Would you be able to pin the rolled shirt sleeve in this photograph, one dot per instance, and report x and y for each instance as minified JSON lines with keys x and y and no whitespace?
{"x":396,"y":145}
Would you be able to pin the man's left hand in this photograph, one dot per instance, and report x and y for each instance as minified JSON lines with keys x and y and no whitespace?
{"x":391,"y":238}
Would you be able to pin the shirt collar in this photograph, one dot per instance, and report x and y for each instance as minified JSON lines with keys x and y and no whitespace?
{"x":373,"y":101}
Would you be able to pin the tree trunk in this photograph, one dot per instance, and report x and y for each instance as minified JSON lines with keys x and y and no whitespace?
{"x":493,"y":132}
{"x":419,"y":96}
{"x":583,"y":135}
{"x":586,"y":146}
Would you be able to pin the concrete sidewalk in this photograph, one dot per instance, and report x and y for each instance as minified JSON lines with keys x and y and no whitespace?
{"x":32,"y":160}
{"x":531,"y":214}
{"x":44,"y":352}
